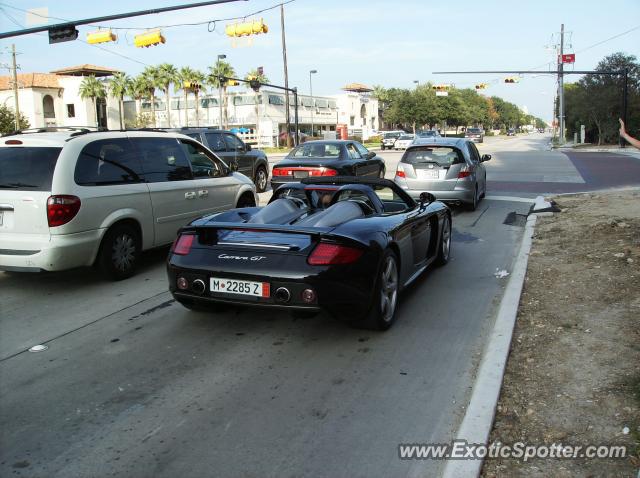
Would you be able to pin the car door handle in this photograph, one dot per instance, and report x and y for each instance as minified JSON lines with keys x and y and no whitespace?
{"x":203,"y":193}
{"x":190,"y":195}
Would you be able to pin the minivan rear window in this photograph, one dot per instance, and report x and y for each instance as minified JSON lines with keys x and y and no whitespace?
{"x":29,"y":168}
{"x":443,"y":156}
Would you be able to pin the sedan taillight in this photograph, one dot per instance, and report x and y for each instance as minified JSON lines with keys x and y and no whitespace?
{"x":61,"y":209}
{"x":326,"y":254}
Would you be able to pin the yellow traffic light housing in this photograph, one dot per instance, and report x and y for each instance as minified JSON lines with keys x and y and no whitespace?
{"x":149,"y":38}
{"x":101,"y":36}
{"x":233,"y":83}
{"x":511,"y":79}
{"x":246,"y":28}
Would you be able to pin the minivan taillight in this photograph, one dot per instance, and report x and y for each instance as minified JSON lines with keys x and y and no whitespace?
{"x":330,"y":254}
{"x":61,"y":209}
{"x":182,"y":244}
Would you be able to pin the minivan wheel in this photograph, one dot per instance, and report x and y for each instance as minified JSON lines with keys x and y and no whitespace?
{"x":119,"y":252}
{"x":261,"y":179}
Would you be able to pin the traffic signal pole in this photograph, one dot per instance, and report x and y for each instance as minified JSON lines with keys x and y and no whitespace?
{"x":14,"y":77}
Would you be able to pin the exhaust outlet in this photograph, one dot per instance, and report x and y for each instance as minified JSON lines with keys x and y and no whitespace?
{"x":198,"y":286}
{"x":282,"y":294}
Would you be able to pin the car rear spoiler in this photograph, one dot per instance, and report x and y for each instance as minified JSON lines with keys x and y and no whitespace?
{"x":230,"y":226}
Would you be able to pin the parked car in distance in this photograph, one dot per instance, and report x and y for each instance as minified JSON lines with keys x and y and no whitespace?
{"x":429,"y":133}
{"x":72,"y":198}
{"x":253,"y":163}
{"x":388,"y":138}
{"x":451,"y":169}
{"x":403,"y":141}
{"x":511,"y":132}
{"x":345,"y":245}
{"x":327,"y":158}
{"x":474,"y":134}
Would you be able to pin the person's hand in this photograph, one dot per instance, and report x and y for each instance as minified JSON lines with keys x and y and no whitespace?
{"x":623,"y":131}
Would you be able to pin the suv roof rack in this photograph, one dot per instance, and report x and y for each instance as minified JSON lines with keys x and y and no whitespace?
{"x":158,"y":130}
{"x":53,"y":129}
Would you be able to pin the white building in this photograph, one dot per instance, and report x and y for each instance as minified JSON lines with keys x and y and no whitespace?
{"x":52,"y":99}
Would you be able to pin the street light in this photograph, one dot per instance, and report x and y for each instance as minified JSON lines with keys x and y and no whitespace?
{"x":220,"y":57}
{"x":311,"y":72}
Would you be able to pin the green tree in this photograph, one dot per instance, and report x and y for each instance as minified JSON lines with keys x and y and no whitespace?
{"x":8,"y":120}
{"x":91,"y":87}
{"x":119,"y":86}
{"x":167,"y":76}
{"x":138,"y":89}
{"x":150,"y":79}
{"x":215,"y":78}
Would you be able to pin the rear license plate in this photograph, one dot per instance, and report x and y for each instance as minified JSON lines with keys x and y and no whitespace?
{"x":301,"y":174}
{"x":239,"y":287}
{"x":428,"y":173}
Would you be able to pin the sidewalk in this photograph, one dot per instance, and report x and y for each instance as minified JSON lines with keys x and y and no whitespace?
{"x":593,"y":148}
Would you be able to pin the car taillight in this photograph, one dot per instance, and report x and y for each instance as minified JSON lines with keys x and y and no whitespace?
{"x":330,"y":254}
{"x":282,"y":172}
{"x":465,"y":173}
{"x":182,"y":245}
{"x":400,"y":174}
{"x":61,"y":209}
{"x":323,"y":172}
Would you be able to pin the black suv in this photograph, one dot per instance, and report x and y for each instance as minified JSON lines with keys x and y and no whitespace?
{"x":232,"y":150}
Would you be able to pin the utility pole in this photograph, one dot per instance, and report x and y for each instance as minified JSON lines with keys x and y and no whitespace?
{"x":561,"y":86}
{"x":220,"y":58}
{"x":14,"y":74}
{"x":286,"y":76}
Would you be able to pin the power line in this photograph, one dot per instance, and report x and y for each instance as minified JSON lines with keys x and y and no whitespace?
{"x":207,"y":22}
{"x":608,"y":39}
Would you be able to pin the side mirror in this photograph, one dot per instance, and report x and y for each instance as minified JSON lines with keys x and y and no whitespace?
{"x":485,"y":157}
{"x":371,"y":155}
{"x":426,"y":199}
{"x":248,"y":147}
{"x":233,"y":166}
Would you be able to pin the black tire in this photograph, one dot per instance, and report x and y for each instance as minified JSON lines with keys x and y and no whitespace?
{"x":444,"y":247}
{"x":246,"y":200}
{"x":382,"y":313}
{"x":472,"y":206}
{"x":119,"y":252}
{"x":261,"y":180}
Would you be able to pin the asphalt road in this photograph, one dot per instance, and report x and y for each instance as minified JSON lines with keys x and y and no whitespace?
{"x":134,"y":385}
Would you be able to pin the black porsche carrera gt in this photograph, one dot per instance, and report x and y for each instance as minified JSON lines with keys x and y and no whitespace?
{"x":346,"y":245}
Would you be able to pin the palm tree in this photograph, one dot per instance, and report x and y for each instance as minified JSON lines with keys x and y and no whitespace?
{"x":118,"y":87}
{"x":220,"y":69}
{"x":92,"y":88}
{"x":255,"y":75}
{"x":150,"y":75}
{"x":138,"y":89}
{"x":167,"y":76}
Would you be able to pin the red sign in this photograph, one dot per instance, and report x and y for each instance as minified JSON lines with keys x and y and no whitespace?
{"x":569,"y":58}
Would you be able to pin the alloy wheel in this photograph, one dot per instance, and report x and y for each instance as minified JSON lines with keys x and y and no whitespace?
{"x":123,"y":252}
{"x":388,"y":289}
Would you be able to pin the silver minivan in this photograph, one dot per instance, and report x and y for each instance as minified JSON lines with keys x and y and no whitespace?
{"x":80,"y":198}
{"x":449,"y":168}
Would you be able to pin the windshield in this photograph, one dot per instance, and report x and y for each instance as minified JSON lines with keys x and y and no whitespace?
{"x":391,"y":135}
{"x":443,"y":156}
{"x":316,"y":150}
{"x":27,"y":168}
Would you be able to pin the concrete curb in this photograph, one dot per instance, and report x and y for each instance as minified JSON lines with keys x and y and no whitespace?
{"x":478,"y":419}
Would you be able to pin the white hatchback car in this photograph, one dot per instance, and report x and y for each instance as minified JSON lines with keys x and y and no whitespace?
{"x":82,"y":198}
{"x":403,"y":141}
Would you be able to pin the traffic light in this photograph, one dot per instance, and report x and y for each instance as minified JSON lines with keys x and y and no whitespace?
{"x":191,"y":85}
{"x":511,"y":79}
{"x":254,"y":83}
{"x":232,"y":83}
{"x":482,"y":86}
{"x":149,"y":38}
{"x":246,"y":28}
{"x":62,"y":34}
{"x":101,"y":36}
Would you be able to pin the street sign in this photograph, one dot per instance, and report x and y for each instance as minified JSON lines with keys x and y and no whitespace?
{"x":569,"y":58}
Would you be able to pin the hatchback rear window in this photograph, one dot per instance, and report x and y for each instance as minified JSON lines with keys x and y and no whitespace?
{"x":310,"y":150}
{"x":443,"y":156}
{"x":27,"y":168}
{"x":473,"y":130}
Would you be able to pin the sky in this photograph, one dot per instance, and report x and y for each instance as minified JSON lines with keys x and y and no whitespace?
{"x":390,"y":43}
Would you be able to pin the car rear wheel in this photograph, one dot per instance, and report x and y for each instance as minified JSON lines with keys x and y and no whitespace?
{"x":444,"y":248}
{"x":261,"y":179}
{"x":119,"y":252}
{"x":474,"y":205}
{"x":383,"y":309}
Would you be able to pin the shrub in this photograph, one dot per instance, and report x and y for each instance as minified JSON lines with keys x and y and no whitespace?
{"x":8,"y":118}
